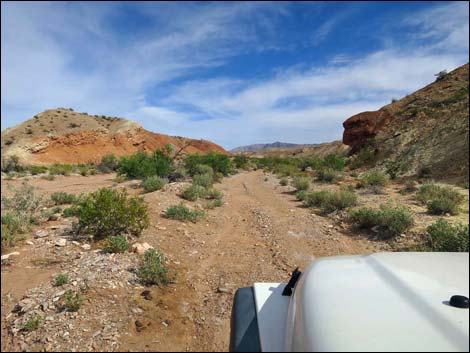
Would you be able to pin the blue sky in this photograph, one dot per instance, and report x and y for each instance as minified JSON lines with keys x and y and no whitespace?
{"x":234,"y":73}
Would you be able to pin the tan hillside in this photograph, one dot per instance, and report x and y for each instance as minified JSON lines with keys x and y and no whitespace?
{"x":64,"y":136}
{"x":320,"y":150}
{"x":426,"y":132}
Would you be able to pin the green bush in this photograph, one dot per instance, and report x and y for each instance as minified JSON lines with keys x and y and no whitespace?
{"x":334,"y":162}
{"x":33,"y":323}
{"x":86,"y":169}
{"x":70,"y":212}
{"x":7,"y":237}
{"x":109,"y":163}
{"x":393,"y":220}
{"x":329,"y":201}
{"x":49,"y":177}
{"x":182,"y":213}
{"x":430,"y":191}
{"x":153,"y":183}
{"x":193,"y":192}
{"x":213,"y":194}
{"x":410,"y":186}
{"x":284,"y":182}
{"x":142,"y":165}
{"x":442,"y":205}
{"x":301,"y":195}
{"x":374,"y":178}
{"x":301,"y":183}
{"x":73,"y":301}
{"x":328,"y":175}
{"x":152,"y":269}
{"x":240,"y":161}
{"x":365,"y":157}
{"x":60,"y":280}
{"x":109,"y":212}
{"x":13,"y":222}
{"x":62,"y":198}
{"x":214,"y":203}
{"x":204,"y":180}
{"x":116,"y":244}
{"x":219,"y":162}
{"x":202,"y":169}
{"x":445,"y":237}
{"x":37,"y":169}
{"x":61,"y":169}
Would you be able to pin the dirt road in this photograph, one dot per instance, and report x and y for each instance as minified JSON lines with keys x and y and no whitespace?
{"x":261,"y":233}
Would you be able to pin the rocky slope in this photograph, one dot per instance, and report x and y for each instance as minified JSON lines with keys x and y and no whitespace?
{"x":303,"y":151}
{"x":64,"y":136}
{"x":426,"y":132}
{"x":263,"y":146}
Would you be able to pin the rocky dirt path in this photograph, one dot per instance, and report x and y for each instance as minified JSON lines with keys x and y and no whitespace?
{"x":261,"y":233}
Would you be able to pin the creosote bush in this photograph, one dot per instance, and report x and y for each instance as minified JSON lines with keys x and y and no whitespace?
{"x":62,"y":198}
{"x":109,"y":163}
{"x":301,"y":183}
{"x":328,"y":175}
{"x":193,"y":192}
{"x":60,"y":280}
{"x":301,"y":195}
{"x":392,"y":220}
{"x":443,"y":236}
{"x":116,"y":244}
{"x":152,"y":270}
{"x":329,"y":201}
{"x":142,"y":165}
{"x":439,"y":199}
{"x":204,"y":180}
{"x":374,"y":178}
{"x":182,"y":213}
{"x":33,"y":323}
{"x":109,"y":212}
{"x":284,"y":181}
{"x":153,"y":183}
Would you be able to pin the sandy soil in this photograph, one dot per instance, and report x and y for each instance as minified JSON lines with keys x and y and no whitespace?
{"x":261,"y":233}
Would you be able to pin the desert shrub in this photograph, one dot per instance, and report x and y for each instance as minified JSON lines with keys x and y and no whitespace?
{"x":285,"y":170}
{"x":240,"y":161}
{"x":410,"y":186}
{"x":116,"y":244}
{"x":13,"y":222}
{"x":109,"y":163}
{"x":445,"y":237}
{"x":430,"y":191}
{"x":328,"y":175}
{"x":152,"y":269}
{"x":33,"y":323}
{"x":62,"y":198}
{"x":49,"y":177}
{"x":7,"y":237}
{"x":442,"y":205}
{"x":301,"y":195}
{"x":218,"y":177}
{"x":204,"y":180}
{"x":60,"y":169}
{"x":86,"y":169}
{"x":24,"y":204}
{"x":213,"y":203}
{"x":182,"y":213}
{"x":374,"y":178}
{"x":60,"y":280}
{"x":70,"y":212}
{"x":109,"y":212}
{"x":392,"y":220}
{"x":301,"y":183}
{"x":424,"y":172}
{"x":219,"y":162}
{"x":142,"y":165}
{"x":37,"y":169}
{"x":334,"y":162}
{"x":284,"y":181}
{"x":202,"y":169}
{"x":193,"y":192}
{"x":329,"y":201}
{"x":73,"y":301}
{"x":11,"y":164}
{"x":153,"y":183}
{"x":213,"y":194}
{"x":365,"y":157}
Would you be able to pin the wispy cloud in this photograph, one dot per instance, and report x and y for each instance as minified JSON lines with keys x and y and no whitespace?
{"x":187,"y":70}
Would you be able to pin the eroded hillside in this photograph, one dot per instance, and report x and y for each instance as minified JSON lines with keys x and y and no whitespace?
{"x":64,"y":136}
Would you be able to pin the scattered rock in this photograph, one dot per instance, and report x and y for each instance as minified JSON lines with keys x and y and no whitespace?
{"x":7,"y":256}
{"x":146,"y":294}
{"x":41,"y":233}
{"x":86,"y":246}
{"x":222,"y":290}
{"x":60,"y":242}
{"x":141,"y":248}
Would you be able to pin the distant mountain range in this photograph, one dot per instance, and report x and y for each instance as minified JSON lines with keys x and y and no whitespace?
{"x":262,"y":146}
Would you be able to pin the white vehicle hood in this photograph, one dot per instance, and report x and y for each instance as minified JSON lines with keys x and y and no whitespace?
{"x":380,"y":302}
